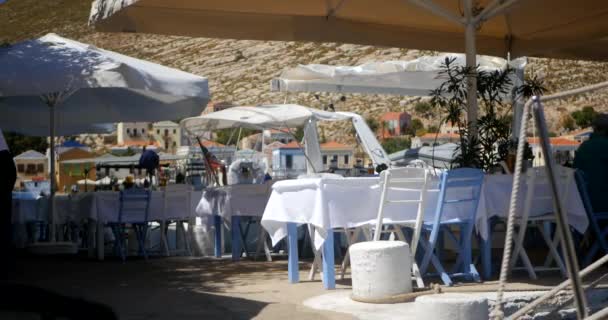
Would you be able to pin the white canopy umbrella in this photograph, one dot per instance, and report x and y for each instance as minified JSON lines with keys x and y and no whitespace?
{"x":288,"y":116}
{"x":416,"y":77}
{"x":539,"y":28}
{"x":54,"y":82}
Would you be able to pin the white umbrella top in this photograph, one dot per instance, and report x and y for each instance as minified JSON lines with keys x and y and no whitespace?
{"x":259,"y":117}
{"x":88,"y":86}
{"x":413,"y":78}
{"x":54,"y":64}
{"x":544,"y":28}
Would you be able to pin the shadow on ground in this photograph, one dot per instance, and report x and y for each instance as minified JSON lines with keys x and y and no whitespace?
{"x":167,"y":288}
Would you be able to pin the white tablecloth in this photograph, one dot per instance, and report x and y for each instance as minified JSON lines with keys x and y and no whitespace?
{"x":351,"y":202}
{"x":100,"y":206}
{"x":234,"y":200}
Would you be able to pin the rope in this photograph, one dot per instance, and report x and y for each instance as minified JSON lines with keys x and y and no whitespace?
{"x":497,"y":313}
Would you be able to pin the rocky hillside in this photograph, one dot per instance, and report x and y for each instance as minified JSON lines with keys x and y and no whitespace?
{"x":240,"y":71}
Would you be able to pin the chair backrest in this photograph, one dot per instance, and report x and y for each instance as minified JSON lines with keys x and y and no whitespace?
{"x":539,"y":190}
{"x":177,"y":202}
{"x":403,"y":185}
{"x":459,"y":187}
{"x":134,"y":205}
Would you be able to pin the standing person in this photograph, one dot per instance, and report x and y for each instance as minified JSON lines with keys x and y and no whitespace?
{"x":8,"y":175}
{"x":592,"y":158}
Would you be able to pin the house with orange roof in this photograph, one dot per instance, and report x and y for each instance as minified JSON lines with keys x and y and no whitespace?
{"x":337,"y":155}
{"x":394,"y":124}
{"x":563,"y":149}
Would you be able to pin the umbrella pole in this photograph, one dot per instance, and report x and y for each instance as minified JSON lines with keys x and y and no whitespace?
{"x":471,"y":63}
{"x":51,"y":104}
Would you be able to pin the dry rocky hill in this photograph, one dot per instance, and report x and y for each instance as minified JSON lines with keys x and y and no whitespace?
{"x":240,"y":71}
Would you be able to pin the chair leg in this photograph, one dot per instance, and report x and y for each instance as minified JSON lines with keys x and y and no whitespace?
{"x":553,"y":250}
{"x":519,"y":252}
{"x":432,"y":258}
{"x":119,"y":242}
{"x":163,"y":237}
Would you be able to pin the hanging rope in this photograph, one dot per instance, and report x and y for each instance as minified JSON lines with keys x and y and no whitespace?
{"x":497,"y":312}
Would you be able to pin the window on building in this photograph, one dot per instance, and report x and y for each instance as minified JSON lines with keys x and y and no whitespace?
{"x":174,"y":144}
{"x":30,"y":169}
{"x":166,"y":145}
{"x":143,"y":131}
{"x":324,"y":159}
{"x":174,"y":131}
{"x":334,"y":158}
{"x":289,"y":161}
{"x":166,"y":132}
{"x":157,"y":131}
{"x":40,"y":167}
{"x":128,"y":130}
{"x":20,"y":168}
{"x":346,"y":159}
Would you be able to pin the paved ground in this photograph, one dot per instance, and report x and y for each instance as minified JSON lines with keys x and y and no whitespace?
{"x":193,"y":288}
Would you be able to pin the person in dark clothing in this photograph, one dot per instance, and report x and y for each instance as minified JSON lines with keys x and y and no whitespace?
{"x":592,"y":158}
{"x":8,"y":175}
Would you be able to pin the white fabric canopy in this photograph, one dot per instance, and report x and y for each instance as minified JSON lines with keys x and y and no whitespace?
{"x":287,"y":116}
{"x":408,"y":78}
{"x":259,"y":117}
{"x":96,"y":86}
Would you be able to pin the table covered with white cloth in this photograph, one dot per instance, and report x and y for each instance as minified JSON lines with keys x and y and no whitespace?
{"x":229,"y":203}
{"x":350,"y":202}
{"x":103,"y":206}
{"x":234,"y":200}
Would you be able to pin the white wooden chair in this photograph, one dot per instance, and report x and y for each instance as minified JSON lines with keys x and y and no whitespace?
{"x":536,"y":179}
{"x":178,"y":195}
{"x":398,"y":186}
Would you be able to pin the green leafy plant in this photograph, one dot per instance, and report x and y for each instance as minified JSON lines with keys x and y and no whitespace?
{"x":492,"y":143}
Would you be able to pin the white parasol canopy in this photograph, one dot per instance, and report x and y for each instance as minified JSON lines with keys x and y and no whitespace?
{"x":288,"y":116}
{"x":87,"y":86}
{"x":259,"y":117}
{"x":407,"y":78}
{"x":56,"y":83}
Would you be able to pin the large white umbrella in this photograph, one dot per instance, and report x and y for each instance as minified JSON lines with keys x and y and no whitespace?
{"x":56,"y":83}
{"x":540,"y":28}
{"x":280,"y":116}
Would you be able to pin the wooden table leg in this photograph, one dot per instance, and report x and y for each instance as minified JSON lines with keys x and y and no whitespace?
{"x":236,"y":238}
{"x":100,"y":244}
{"x":329,"y":277}
{"x":292,"y":266}
{"x":217,"y":222}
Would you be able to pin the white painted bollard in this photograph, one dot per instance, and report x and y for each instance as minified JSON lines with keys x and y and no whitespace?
{"x":451,"y":306}
{"x":380,"y":269}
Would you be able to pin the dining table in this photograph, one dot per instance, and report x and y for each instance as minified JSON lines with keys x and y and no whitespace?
{"x":330,"y":204}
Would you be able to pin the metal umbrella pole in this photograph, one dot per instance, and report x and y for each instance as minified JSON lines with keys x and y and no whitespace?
{"x":560,"y":215}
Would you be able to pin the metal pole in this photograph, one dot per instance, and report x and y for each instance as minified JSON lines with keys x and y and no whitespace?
{"x":518,"y":104}
{"x":471,"y":63}
{"x":560,"y":217}
{"x":51,"y":103}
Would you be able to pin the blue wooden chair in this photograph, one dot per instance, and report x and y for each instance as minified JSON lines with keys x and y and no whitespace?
{"x":458,"y":187}
{"x":134,"y":209}
{"x":600,"y":235}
